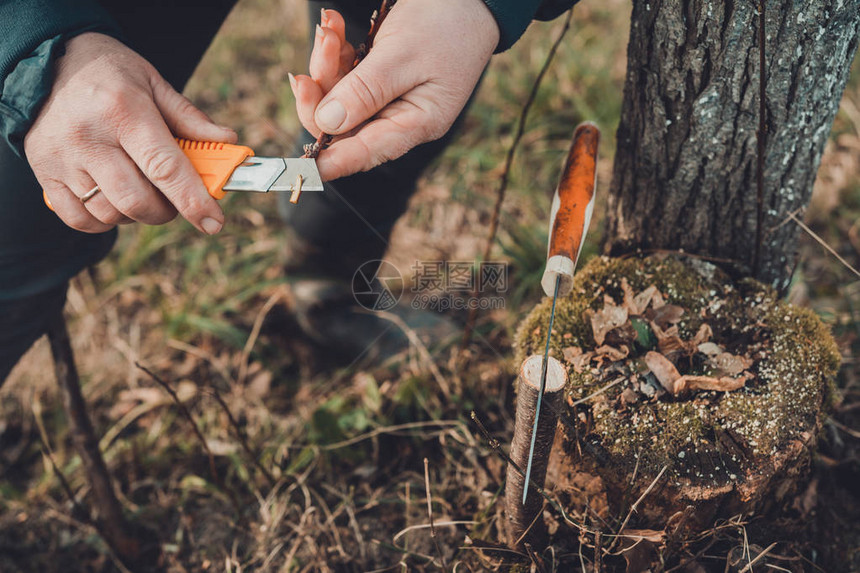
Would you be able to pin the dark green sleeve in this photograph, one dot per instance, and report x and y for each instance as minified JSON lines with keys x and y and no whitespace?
{"x":514,"y":16}
{"x":32,"y":35}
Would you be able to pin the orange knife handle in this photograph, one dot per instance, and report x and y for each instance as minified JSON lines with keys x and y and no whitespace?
{"x":572,"y":205}
{"x":214,"y":162}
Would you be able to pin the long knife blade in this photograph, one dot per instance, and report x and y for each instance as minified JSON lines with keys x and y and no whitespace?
{"x":542,"y":389}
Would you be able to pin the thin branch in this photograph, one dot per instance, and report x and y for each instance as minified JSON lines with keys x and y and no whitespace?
{"x":824,"y":244}
{"x":243,"y":439}
{"x":634,"y":506}
{"x":759,"y":557}
{"x":64,"y":483}
{"x":255,"y":333}
{"x":128,"y":543}
{"x":187,"y":415}
{"x":503,"y":179}
{"x":430,"y":514}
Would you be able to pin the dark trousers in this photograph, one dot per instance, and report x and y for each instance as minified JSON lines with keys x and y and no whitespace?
{"x":351,"y":220}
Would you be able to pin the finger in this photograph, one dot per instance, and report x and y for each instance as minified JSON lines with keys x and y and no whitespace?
{"x":347,"y":58}
{"x":380,"y":78}
{"x":332,"y":20}
{"x":325,"y":58}
{"x":128,"y":191}
{"x":308,"y":95}
{"x":71,"y":211}
{"x":82,"y":184}
{"x":151,"y":146}
{"x":184,"y":119}
{"x":398,"y":129}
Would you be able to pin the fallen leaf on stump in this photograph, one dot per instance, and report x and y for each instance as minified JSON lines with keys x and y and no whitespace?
{"x":663,"y":369}
{"x":611,"y":353}
{"x":576,"y":358}
{"x":666,"y":315}
{"x":709,"y":348}
{"x":571,"y":352}
{"x":689,"y":383}
{"x":703,"y":335}
{"x":730,"y":364}
{"x":646,"y":297}
{"x":668,"y":340}
{"x":606,"y":319}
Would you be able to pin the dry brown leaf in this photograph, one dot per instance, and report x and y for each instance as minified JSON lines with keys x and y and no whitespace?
{"x":623,"y":335}
{"x":666,"y":315}
{"x":606,"y":319}
{"x":663,"y":369}
{"x":628,"y":303}
{"x":730,"y":364}
{"x":581,"y":361}
{"x":611,"y":353}
{"x":629,"y":396}
{"x":571,"y":352}
{"x":689,"y":383}
{"x":668,"y":340}
{"x":657,"y":299}
{"x":644,"y":298}
{"x":703,"y":335}
{"x":709,"y":348}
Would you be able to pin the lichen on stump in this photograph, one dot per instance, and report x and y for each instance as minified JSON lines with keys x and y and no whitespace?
{"x":724,"y":452}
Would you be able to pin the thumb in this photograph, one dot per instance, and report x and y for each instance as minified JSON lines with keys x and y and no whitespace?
{"x":184,"y":119}
{"x":379,"y":79}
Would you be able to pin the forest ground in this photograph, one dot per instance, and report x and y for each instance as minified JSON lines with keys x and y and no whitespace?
{"x":346,"y":448}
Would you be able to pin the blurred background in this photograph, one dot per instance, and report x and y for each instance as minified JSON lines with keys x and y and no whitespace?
{"x":344,"y":449}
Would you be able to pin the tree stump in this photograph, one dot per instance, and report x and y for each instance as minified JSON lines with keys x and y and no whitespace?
{"x":717,"y":388}
{"x":523,"y":523}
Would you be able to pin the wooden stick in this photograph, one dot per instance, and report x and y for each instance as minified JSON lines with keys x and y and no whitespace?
{"x":523,"y":522}
{"x":130,"y":543}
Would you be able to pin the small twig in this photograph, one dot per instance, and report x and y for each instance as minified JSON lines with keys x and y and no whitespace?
{"x":503,"y":178}
{"x":255,"y":333}
{"x":243,"y":439}
{"x":187,"y":415}
{"x":759,"y":557}
{"x":419,"y":346}
{"x":824,"y":244}
{"x":430,"y":513}
{"x":598,"y":392}
{"x":851,"y":432}
{"x":64,"y":483}
{"x":634,"y":506}
{"x":378,"y":432}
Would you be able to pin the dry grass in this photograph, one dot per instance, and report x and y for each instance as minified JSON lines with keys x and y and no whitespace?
{"x":345,"y":450}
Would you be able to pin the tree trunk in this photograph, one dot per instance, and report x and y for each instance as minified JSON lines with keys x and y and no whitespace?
{"x":685,"y":169}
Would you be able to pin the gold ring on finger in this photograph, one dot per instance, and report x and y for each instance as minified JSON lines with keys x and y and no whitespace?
{"x":90,"y":194}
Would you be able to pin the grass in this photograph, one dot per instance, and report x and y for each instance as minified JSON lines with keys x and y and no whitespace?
{"x":346,"y":448}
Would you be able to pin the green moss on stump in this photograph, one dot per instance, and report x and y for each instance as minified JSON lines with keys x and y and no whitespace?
{"x":711,"y":442}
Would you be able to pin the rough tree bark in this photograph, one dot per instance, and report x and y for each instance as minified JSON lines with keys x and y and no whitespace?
{"x":685,"y":168}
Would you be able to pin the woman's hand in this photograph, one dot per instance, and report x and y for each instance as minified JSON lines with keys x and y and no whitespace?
{"x":110,"y":121}
{"x":426,"y":59}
